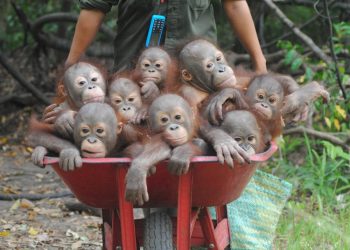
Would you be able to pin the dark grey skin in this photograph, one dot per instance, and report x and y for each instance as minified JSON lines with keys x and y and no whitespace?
{"x":226,"y":148}
{"x":125,"y":97}
{"x":265,"y":96}
{"x":295,"y":104}
{"x":222,"y":101}
{"x":204,"y":70}
{"x":295,"y":99}
{"x":204,"y":67}
{"x":171,"y":121}
{"x":153,"y":67}
{"x":96,"y":130}
{"x":83,"y":83}
{"x":292,"y":100}
{"x":269,"y":83}
{"x":69,"y":155}
{"x":242,"y":126}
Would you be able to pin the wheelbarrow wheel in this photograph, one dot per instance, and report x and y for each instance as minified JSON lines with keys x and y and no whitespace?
{"x":158,"y":232}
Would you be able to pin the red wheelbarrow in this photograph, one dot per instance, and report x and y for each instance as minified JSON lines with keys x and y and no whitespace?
{"x":100,"y":183}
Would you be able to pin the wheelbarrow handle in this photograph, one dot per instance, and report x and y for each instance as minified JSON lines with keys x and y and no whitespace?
{"x":265,"y":155}
{"x":124,"y":160}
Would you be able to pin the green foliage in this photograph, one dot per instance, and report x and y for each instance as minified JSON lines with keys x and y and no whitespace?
{"x":274,"y":28}
{"x":323,"y":175}
{"x":295,"y":57}
{"x":335,"y":115}
{"x":342,"y":32}
{"x":319,"y":170}
{"x":13,"y":32}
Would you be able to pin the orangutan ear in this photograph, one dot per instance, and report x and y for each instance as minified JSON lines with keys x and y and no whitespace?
{"x":61,"y":89}
{"x":186,"y":75}
{"x":119,"y":128}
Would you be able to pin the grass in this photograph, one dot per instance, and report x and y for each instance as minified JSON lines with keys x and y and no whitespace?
{"x":317,"y":216}
{"x":301,"y":227}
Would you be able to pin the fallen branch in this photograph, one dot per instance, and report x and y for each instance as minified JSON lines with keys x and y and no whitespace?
{"x":27,"y":27}
{"x":16,"y":75}
{"x":318,"y":134}
{"x":64,"y":44}
{"x":306,"y":39}
{"x":34,"y":197}
{"x":285,"y":35}
{"x":80,"y":207}
{"x":48,"y":40}
{"x":331,"y":47}
{"x":95,"y":50}
{"x":235,"y":58}
{"x":57,"y":17}
{"x":310,"y":3}
{"x":24,"y":99}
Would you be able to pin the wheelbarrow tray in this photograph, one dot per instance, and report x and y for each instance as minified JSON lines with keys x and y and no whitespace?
{"x":213,"y":184}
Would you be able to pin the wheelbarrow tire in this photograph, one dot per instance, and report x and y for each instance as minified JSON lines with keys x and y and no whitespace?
{"x":158,"y":232}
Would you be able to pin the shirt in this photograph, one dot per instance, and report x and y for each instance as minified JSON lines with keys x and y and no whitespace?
{"x":185,"y":20}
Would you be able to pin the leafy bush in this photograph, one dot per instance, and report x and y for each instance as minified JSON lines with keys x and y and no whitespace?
{"x":323,"y":173}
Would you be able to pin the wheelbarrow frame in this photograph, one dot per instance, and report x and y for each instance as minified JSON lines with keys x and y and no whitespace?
{"x":193,"y":219}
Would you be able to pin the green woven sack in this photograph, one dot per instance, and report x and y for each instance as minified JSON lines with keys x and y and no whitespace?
{"x":253,"y":217}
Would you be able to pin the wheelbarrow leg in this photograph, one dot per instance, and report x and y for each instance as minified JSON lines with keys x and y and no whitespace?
{"x":184,"y":211}
{"x":128,"y":235}
{"x":110,"y":229}
{"x":221,"y":213}
{"x":217,"y":238}
{"x":222,"y":229}
{"x":208,"y":228}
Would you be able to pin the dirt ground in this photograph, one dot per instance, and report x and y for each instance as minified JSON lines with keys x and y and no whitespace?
{"x":43,"y":224}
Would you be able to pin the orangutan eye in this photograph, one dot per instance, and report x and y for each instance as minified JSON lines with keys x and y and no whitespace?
{"x":260,"y":96}
{"x":158,"y":65}
{"x":131,"y":99}
{"x":164,"y":119}
{"x":251,"y":139}
{"x":99,"y":130}
{"x":218,"y":58}
{"x":84,"y":131}
{"x":81,"y":83}
{"x":146,"y":65}
{"x":117,"y":101}
{"x":177,"y":117}
{"x":210,"y":65}
{"x":272,"y":100}
{"x":94,"y":79}
{"x":238,"y":139}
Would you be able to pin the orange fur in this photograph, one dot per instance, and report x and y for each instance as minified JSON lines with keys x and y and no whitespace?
{"x":36,"y":126}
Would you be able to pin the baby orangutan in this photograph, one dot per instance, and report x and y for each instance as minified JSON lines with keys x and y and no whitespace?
{"x":153,"y":69}
{"x":96,"y":132}
{"x":204,"y":70}
{"x":125,"y":98}
{"x":172,"y":125}
{"x":82,"y":83}
{"x":243,"y":127}
{"x":272,"y":98}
